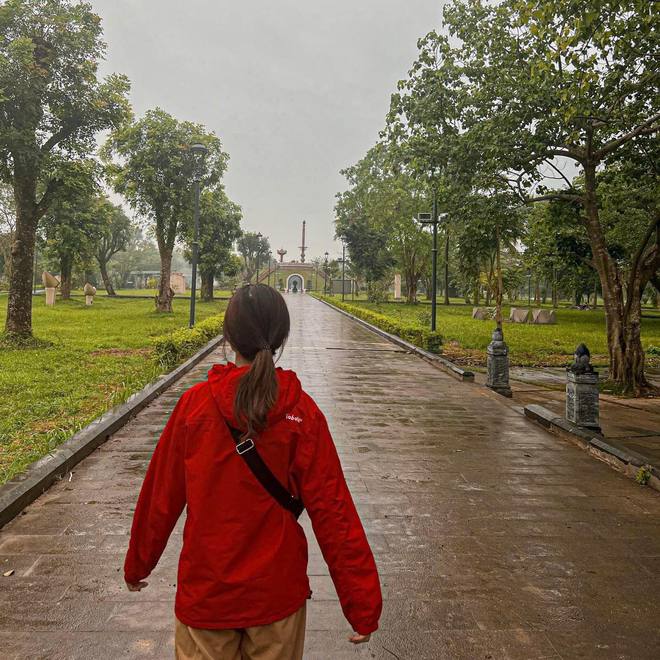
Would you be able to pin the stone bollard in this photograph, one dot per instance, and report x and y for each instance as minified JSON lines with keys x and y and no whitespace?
{"x":582,"y":391}
{"x":498,"y":364}
{"x":90,"y":291}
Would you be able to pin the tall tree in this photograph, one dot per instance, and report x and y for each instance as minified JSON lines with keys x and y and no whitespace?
{"x":387,"y":199}
{"x":116,"y":231}
{"x":70,"y":227}
{"x":154,"y":169}
{"x":52,"y":105}
{"x":541,"y":91}
{"x":254,"y":249}
{"x":219,"y":228}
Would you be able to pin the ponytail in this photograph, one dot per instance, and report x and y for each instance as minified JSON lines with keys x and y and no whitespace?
{"x":257,"y":392}
{"x":256,"y":325}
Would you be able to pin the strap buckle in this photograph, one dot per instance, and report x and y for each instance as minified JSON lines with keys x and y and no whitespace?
{"x":244,"y":446}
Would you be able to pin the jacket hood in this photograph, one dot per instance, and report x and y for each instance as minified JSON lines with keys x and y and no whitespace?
{"x":224,"y":379}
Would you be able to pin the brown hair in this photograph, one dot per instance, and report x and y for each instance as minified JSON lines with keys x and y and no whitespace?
{"x":256,"y":325}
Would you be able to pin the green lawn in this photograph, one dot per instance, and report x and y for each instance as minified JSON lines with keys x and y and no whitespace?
{"x":99,"y":356}
{"x":465,"y":339}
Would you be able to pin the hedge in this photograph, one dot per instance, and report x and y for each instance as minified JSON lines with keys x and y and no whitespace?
{"x":430,"y":341}
{"x":177,"y":346}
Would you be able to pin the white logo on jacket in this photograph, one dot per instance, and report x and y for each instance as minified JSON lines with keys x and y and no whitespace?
{"x":293,"y":418}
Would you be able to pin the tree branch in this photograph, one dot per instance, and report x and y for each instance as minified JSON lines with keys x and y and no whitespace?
{"x":646,"y":128}
{"x":46,"y":199}
{"x":56,"y":138}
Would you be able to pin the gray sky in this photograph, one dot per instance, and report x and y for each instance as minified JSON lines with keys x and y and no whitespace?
{"x":295,"y":89}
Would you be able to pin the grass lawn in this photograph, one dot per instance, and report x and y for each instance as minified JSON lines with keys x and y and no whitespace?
{"x":465,"y":339}
{"x":99,"y":356}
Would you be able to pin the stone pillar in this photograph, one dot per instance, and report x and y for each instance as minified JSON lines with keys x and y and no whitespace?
{"x":498,"y":364}
{"x":50,"y":284}
{"x":582,"y":408}
{"x":50,"y":295}
{"x":90,"y":292}
{"x":397,"y":286}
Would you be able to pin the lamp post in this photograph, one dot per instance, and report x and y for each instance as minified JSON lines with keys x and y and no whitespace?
{"x":270,"y":254}
{"x":433,"y":219}
{"x":529,"y":287}
{"x":325,"y":275}
{"x":259,"y":237}
{"x":343,"y":270}
{"x":199,"y":151}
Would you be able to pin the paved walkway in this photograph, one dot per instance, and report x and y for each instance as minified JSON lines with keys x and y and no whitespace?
{"x":494,"y":539}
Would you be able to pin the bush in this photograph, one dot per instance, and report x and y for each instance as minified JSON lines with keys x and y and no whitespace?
{"x":419,"y":336}
{"x":179,"y":345}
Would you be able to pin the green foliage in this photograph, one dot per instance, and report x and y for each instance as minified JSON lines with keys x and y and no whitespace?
{"x":422,"y":337}
{"x":219,"y":228}
{"x":254,"y":249}
{"x":84,"y":361}
{"x":643,"y":475}
{"x":465,"y":339}
{"x":183,"y":343}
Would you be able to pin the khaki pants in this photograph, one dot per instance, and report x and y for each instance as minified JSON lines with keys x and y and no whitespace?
{"x":281,"y":640}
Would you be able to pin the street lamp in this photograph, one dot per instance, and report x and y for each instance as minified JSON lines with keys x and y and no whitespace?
{"x":343,"y":270}
{"x":433,"y":219}
{"x":259,"y":237}
{"x":325,"y":275}
{"x":199,"y":151}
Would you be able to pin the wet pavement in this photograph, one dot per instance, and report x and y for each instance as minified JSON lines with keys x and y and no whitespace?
{"x":494,"y":539}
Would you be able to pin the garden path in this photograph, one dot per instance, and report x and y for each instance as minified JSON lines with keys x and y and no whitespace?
{"x":494,"y":539}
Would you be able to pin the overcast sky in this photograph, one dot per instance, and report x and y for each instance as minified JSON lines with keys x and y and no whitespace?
{"x":296,"y":90}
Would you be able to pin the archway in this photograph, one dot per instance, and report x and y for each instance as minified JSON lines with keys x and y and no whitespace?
{"x":294,"y":284}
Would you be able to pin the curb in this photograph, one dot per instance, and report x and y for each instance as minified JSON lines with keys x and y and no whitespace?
{"x":624,"y":460}
{"x":25,"y":488}
{"x":436,"y":360}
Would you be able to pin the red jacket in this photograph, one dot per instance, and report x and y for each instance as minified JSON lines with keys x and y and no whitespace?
{"x":244,"y":557}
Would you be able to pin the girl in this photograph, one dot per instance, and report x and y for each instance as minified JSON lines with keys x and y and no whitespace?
{"x":242,"y":580}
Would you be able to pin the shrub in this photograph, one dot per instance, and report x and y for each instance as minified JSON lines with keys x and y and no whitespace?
{"x":173,"y":348}
{"x":419,"y":336}
{"x":653,"y":350}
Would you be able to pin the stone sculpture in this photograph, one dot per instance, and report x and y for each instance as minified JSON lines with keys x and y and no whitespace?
{"x":582,"y":405}
{"x":90,"y":291}
{"x":498,"y":364}
{"x":519,"y":315}
{"x":397,"y":286}
{"x":483,"y":313}
{"x":544,"y":316}
{"x":50,"y":284}
{"x":178,"y":282}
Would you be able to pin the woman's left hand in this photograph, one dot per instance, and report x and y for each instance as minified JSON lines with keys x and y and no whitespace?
{"x":136,"y":586}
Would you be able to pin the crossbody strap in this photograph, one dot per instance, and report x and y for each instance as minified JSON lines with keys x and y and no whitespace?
{"x":247,"y":450}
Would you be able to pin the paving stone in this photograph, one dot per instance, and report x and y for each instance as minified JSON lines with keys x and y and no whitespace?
{"x":493,"y":538}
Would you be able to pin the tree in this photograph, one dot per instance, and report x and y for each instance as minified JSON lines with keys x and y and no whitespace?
{"x":219,"y":228}
{"x":154,"y":169}
{"x":539,"y":91}
{"x":254,"y":249}
{"x":70,"y":226}
{"x":387,"y":199}
{"x":52,"y":105}
{"x":116,"y":231}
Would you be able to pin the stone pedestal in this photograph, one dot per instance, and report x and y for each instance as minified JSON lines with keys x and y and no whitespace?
{"x":89,"y":300}
{"x":498,"y":364}
{"x":397,"y":286}
{"x":582,"y":399}
{"x":50,"y":295}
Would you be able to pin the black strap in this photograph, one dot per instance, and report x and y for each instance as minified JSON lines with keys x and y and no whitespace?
{"x":247,"y":450}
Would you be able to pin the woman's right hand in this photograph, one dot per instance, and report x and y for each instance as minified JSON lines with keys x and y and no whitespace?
{"x":356,"y":638}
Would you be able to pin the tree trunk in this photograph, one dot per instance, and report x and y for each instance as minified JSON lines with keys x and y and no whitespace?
{"x":165,"y":292}
{"x":66,"y":266}
{"x":537,"y":293}
{"x":476,"y":294}
{"x":411,"y":290}
{"x":623,"y":318}
{"x":19,"y":304}
{"x":207,"y":286}
{"x":596,"y":291}
{"x":107,"y":282}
